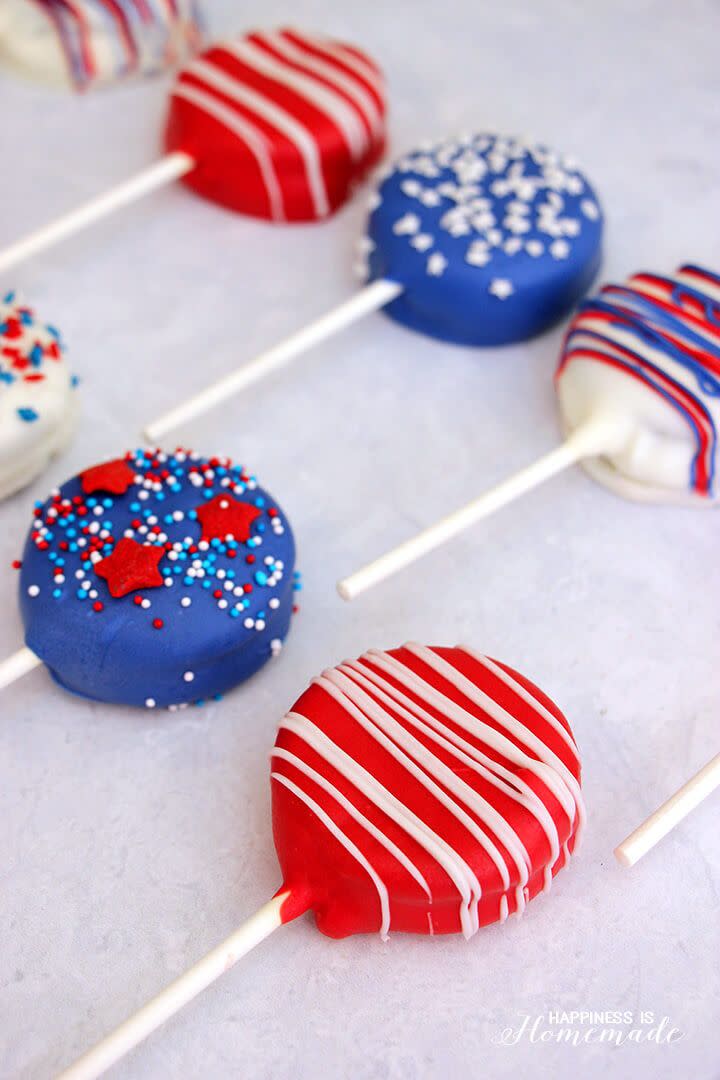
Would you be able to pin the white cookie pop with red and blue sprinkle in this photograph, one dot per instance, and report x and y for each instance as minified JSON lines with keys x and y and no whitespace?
{"x":38,"y":408}
{"x":157,"y":579}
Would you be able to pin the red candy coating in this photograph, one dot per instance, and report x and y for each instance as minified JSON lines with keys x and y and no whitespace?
{"x":423,"y":790}
{"x":281,"y":124}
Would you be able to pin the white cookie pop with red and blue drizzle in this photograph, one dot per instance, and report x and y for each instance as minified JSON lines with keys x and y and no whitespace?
{"x":157,"y":579}
{"x":638,"y":387}
{"x":649,"y":351}
{"x":38,"y":403}
{"x":482,"y":240}
{"x":91,"y":43}
{"x":493,"y":239}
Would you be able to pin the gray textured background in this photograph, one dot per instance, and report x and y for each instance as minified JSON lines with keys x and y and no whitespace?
{"x":132,"y":843}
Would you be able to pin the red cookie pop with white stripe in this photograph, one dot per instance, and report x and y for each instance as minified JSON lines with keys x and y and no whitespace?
{"x":428,"y":790}
{"x":279,"y":125}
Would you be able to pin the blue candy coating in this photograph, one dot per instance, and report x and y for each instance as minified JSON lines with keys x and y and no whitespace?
{"x":494,"y":240}
{"x":202,"y":649}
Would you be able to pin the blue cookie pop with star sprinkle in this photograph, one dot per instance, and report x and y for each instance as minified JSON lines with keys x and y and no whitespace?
{"x":157,"y":579}
{"x":493,"y":239}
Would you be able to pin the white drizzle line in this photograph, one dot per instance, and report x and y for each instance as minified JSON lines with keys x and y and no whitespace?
{"x":476,"y":727}
{"x":247,"y":132}
{"x":443,"y":774}
{"x":521,"y":692}
{"x":398,"y":743}
{"x":492,"y":771}
{"x":456,"y":868}
{"x":551,"y":770}
{"x":357,"y":815}
{"x":308,"y":87}
{"x":303,"y":139}
{"x":347,"y":844}
{"x":349,"y":83}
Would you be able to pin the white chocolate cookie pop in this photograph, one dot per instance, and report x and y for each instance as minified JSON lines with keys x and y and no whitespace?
{"x":38,"y":410}
{"x":649,"y":351}
{"x":90,"y":43}
{"x":638,"y":386}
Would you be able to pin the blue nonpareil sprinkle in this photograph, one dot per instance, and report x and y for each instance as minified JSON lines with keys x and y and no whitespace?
{"x":28,"y":415}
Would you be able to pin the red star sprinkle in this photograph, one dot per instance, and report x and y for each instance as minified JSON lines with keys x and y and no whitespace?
{"x":131,"y":566}
{"x":113,"y":476}
{"x":226,"y":516}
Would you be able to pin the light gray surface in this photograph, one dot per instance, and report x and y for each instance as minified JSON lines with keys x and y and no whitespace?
{"x":132,"y":843}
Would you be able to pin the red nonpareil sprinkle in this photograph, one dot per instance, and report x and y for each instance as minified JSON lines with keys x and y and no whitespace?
{"x":158,"y":624}
{"x":250,"y":559}
{"x":98,"y":606}
{"x":17,"y":564}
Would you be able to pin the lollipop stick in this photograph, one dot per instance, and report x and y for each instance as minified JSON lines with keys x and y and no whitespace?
{"x":600,"y":435}
{"x":670,"y":814}
{"x":372,"y":297}
{"x":169,"y":168}
{"x":17,"y":665}
{"x":170,"y":1000}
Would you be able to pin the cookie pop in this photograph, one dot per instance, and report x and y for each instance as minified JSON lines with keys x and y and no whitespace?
{"x":638,"y":388}
{"x":425,"y":790}
{"x":279,"y":125}
{"x":483,"y":240}
{"x":92,"y":43}
{"x":155,"y":580}
{"x":38,"y":408}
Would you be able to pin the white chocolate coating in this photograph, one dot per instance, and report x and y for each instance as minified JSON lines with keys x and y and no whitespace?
{"x":649,"y":352}
{"x":38,"y":407}
{"x":93,"y":42}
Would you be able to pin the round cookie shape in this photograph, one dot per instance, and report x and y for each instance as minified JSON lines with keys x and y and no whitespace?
{"x":493,"y":239}
{"x":92,"y":43}
{"x":282,"y":125}
{"x":648,"y":351}
{"x":38,"y":403}
{"x":427,"y":790}
{"x":157,"y":579}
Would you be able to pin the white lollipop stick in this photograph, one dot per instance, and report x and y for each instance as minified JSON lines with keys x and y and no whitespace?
{"x":370,"y":298}
{"x":170,"y":1000}
{"x":17,"y":665}
{"x":169,"y":168}
{"x":602,"y":434}
{"x":670,"y":814}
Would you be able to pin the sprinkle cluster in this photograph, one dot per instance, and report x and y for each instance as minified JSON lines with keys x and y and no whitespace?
{"x":26,"y":347}
{"x":118,"y":532}
{"x":493,"y":195}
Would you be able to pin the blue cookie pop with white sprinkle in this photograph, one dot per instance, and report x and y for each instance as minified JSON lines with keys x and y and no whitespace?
{"x":156,"y":580}
{"x":493,"y":239}
{"x":479,"y":240}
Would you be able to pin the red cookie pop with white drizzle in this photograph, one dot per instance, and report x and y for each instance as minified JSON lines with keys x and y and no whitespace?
{"x":279,"y":125}
{"x":638,"y":388}
{"x":427,"y":790}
